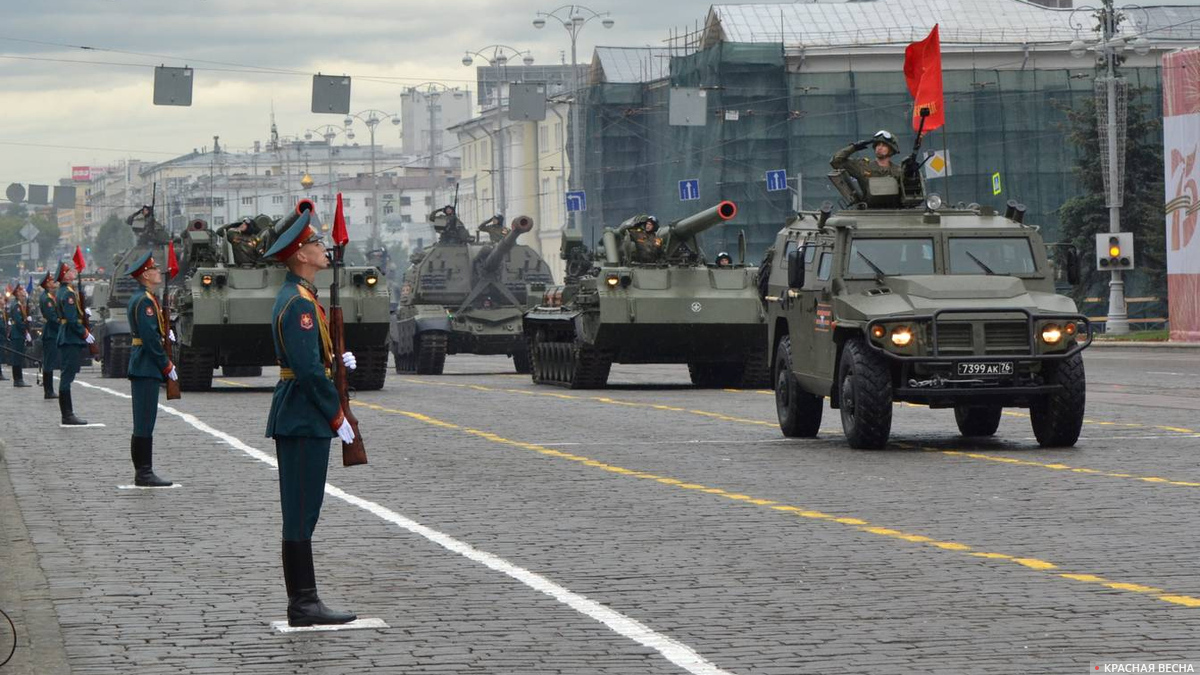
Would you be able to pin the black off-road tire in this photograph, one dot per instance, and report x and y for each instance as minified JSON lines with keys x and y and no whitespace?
{"x":865,"y":381}
{"x":980,"y":420}
{"x":522,"y":362}
{"x":430,"y":352}
{"x":115,"y":356}
{"x":371,"y":370}
{"x":241,"y":371}
{"x":799,"y":411}
{"x":1058,"y":418}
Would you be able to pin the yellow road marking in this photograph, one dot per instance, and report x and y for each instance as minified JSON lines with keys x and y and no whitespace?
{"x":232,"y":383}
{"x":1000,"y":459}
{"x":800,"y":512}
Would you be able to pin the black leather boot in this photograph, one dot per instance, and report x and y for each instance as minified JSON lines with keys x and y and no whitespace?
{"x":141,"y":449}
{"x":48,"y":384}
{"x":19,"y":377}
{"x":304,"y":607}
{"x":68,"y":412}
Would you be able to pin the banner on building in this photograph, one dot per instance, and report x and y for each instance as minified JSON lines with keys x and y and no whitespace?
{"x":81,"y":173}
{"x":1181,"y":153}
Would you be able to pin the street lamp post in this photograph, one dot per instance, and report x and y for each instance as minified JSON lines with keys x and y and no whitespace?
{"x":576,"y":17}
{"x":499,"y":58}
{"x":328,"y":132}
{"x":1109,"y":50}
{"x":372,"y":118}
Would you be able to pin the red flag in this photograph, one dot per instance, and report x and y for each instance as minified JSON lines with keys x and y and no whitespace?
{"x":923,"y":71}
{"x":340,"y":235}
{"x":172,"y":261}
{"x":78,"y":259}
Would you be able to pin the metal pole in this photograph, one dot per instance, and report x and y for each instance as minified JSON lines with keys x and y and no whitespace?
{"x":576,"y":154}
{"x":501,"y":199}
{"x":432,"y":145}
{"x":374,"y":193}
{"x":329,"y":156}
{"x":1117,"y":321}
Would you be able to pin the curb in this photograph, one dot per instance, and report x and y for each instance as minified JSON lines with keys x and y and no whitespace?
{"x":1131,"y":344}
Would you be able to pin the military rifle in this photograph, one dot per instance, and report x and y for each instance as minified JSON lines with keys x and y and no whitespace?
{"x":174,"y":391}
{"x":93,"y":348}
{"x":355,"y":452}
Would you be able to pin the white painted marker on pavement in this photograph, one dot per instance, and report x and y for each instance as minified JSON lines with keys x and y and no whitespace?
{"x":674,"y":651}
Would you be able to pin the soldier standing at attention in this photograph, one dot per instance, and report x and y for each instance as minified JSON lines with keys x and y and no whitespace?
{"x":885,"y":147}
{"x":72,"y":337}
{"x":18,"y":334}
{"x":305,"y":414}
{"x":49,"y":333}
{"x":148,"y":365}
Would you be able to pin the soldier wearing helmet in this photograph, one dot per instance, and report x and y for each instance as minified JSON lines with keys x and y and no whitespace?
{"x":724,"y":259}
{"x":243,"y":238}
{"x":885,"y":147}
{"x":647,"y":245}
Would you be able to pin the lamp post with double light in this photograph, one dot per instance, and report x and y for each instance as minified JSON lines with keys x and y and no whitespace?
{"x":1109,"y":48}
{"x":497,"y":57}
{"x":573,"y":18}
{"x":371,"y":118}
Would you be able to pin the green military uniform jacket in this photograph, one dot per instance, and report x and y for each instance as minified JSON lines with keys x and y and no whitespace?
{"x":863,"y":168}
{"x":18,"y":323}
{"x":305,"y":402}
{"x":148,"y":328}
{"x":71,"y":330}
{"x":647,"y":247}
{"x":50,"y":315}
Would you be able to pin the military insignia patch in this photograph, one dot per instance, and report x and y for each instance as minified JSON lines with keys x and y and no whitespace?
{"x":70,"y":299}
{"x":306,"y":321}
{"x":149,"y":310}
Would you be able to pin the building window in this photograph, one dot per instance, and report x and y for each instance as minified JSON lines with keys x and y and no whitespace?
{"x":277,"y":199}
{"x":558,"y":134}
{"x":388,"y":209}
{"x":428,"y":200}
{"x":247,"y":201}
{"x":544,"y":138}
{"x":389,"y":196}
{"x":406,"y":219}
{"x":368,"y":220}
{"x":219,"y":220}
{"x":219,"y":201}
{"x":368,"y":202}
{"x":406,"y":201}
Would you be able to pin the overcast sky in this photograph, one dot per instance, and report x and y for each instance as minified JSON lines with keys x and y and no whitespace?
{"x":97,"y":105}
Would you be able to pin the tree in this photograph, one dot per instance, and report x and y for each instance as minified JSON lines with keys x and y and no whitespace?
{"x":114,"y":237}
{"x":1142,"y":212}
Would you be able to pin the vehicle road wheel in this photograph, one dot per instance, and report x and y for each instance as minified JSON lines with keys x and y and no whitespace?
{"x":520,"y":357}
{"x":799,"y":411}
{"x":430,"y":353}
{"x":866,"y":396}
{"x":977,"y":420}
{"x":1058,"y":417}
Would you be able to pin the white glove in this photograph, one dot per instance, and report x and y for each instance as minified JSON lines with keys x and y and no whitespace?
{"x":345,"y":432}
{"x":28,"y":339}
{"x":170,"y":335}
{"x":88,"y":311}
{"x":90,"y":339}
{"x":350,"y":363}
{"x":173,"y":373}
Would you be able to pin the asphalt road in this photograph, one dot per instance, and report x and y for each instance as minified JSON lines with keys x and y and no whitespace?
{"x":652,"y":527}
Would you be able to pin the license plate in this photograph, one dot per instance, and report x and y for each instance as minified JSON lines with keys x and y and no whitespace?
{"x":985,"y":368}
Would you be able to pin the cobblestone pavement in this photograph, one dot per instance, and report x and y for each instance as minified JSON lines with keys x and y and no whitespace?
{"x":648,"y":528}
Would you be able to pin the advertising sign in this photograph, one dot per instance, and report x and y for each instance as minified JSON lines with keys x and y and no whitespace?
{"x":1181,"y":151}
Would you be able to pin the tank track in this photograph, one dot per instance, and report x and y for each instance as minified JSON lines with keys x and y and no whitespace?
{"x":371,"y":371}
{"x":116,"y":356}
{"x":570,"y":364}
{"x":431,"y":353}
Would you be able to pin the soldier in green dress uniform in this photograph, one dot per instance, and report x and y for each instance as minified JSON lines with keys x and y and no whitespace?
{"x":148,"y":366}
{"x":18,"y":334}
{"x":49,"y":311}
{"x":305,"y":414}
{"x":73,"y":337}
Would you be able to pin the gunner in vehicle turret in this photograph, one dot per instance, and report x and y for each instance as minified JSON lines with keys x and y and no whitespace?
{"x":647,"y":245}
{"x":885,"y":147}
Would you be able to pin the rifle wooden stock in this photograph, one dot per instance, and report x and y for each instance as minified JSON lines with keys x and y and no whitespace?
{"x":355,"y":452}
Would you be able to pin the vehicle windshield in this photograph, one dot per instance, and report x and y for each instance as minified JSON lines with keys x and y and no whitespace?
{"x":907,"y":255}
{"x":991,"y":255}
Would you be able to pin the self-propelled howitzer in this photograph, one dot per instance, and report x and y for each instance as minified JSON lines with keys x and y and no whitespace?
{"x":671,"y":306}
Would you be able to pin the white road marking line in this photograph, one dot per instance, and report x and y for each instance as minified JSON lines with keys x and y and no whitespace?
{"x":81,"y":426}
{"x":147,"y":487}
{"x":283,"y":627}
{"x":674,"y":651}
{"x":1160,"y":372}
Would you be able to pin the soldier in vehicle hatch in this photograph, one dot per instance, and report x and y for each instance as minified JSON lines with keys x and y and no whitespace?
{"x":146,"y":226}
{"x":445,"y":221}
{"x":885,"y":147}
{"x":647,"y":245}
{"x":242,"y":237}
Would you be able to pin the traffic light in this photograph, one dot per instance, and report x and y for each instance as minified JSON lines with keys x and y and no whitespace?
{"x":1114,"y":251}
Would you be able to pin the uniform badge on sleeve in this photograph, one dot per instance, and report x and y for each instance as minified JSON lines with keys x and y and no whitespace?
{"x":149,"y":310}
{"x":70,"y":299}
{"x":306,"y":321}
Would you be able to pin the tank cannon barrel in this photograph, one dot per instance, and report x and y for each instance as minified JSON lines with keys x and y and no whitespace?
{"x":699,"y":222}
{"x":520,"y":225}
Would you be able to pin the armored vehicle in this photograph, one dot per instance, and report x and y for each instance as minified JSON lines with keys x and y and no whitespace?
{"x":651,"y":299}
{"x":221,"y":307}
{"x":463,"y":296}
{"x":912,"y":302}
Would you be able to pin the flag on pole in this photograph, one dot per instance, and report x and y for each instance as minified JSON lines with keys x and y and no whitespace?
{"x":340,"y":236}
{"x":172,"y":261}
{"x":923,"y":72}
{"x":29,"y":286}
{"x":78,"y":259}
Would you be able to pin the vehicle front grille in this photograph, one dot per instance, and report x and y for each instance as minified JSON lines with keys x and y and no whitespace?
{"x":954,"y":338}
{"x":1010,"y":337}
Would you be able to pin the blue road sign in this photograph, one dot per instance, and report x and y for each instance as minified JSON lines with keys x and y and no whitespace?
{"x":777,"y":180}
{"x":689,"y":190}
{"x":576,"y":201}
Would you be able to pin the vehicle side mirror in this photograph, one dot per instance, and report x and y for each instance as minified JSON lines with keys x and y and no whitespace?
{"x":1072,"y":266}
{"x":795,"y":263}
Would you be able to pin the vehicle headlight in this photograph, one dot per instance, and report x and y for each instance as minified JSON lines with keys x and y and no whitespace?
{"x":206,"y":280}
{"x":1051,"y":334}
{"x":878,"y":332}
{"x":1070,"y":329}
{"x":372,"y":279}
{"x":612,"y":280}
{"x":933,"y":202}
{"x":901,"y":336}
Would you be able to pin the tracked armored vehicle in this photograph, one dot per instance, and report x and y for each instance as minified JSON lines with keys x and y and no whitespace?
{"x":222,"y":309}
{"x":462,"y":296}
{"x":651,"y":300}
{"x":899,"y":299}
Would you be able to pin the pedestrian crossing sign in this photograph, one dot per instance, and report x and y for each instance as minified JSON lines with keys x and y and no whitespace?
{"x":996,"y":183}
{"x":937,"y":164}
